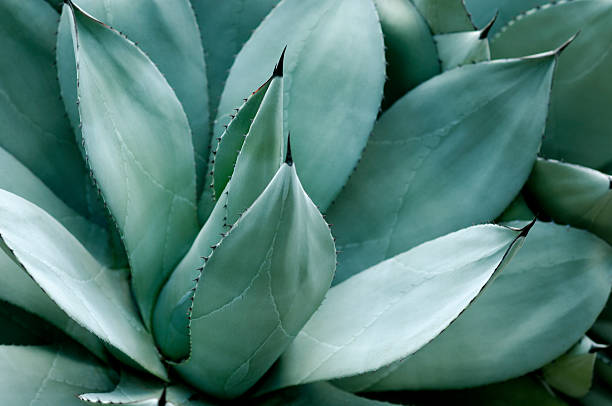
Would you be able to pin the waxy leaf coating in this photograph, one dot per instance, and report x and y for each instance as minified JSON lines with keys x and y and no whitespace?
{"x":444,"y":16}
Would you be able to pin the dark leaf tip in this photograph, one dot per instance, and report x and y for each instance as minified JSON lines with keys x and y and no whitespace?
{"x":289,"y":157}
{"x":525,"y":230}
{"x":487,"y":28}
{"x":278,"y":69}
{"x":566,"y":44}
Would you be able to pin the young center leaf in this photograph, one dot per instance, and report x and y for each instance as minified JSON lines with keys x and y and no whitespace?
{"x":138,"y":144}
{"x":258,"y":288}
{"x":389,"y":311}
{"x":445,"y":16}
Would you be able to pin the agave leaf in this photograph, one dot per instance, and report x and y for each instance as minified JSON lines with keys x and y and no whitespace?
{"x":572,"y":373}
{"x":99,"y":299}
{"x":511,"y":330}
{"x":409,"y":48}
{"x":130,"y":389}
{"x":517,"y":210}
{"x":577,"y":130}
{"x":369,"y":321}
{"x":331,"y":46}
{"x":48,"y":375}
{"x":232,"y":139}
{"x":461,"y":48}
{"x":572,"y":194}
{"x":315,"y":394}
{"x":432,"y":167}
{"x":168,"y":33}
{"x":20,"y":327}
{"x":482,"y":10}
{"x":258,"y":288}
{"x":139,"y":148}
{"x":444,"y":16}
{"x":33,"y":126}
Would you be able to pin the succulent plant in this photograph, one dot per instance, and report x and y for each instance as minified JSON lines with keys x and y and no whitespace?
{"x":323,"y":202}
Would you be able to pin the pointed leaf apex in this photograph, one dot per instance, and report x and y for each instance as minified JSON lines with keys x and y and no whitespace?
{"x":525,"y":230}
{"x":558,"y":51}
{"x":162,"y":398}
{"x":289,"y":157}
{"x":278,"y":69}
{"x":487,"y":28}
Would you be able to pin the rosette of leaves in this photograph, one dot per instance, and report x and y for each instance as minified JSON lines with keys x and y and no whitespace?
{"x":323,"y":202}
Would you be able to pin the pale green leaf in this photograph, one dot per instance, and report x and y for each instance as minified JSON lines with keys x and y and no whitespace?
{"x":334,"y":74}
{"x":40,"y":376}
{"x":578,"y":129}
{"x":389,"y":311}
{"x":572,"y":194}
{"x":130,"y":389}
{"x":538,"y":307}
{"x":410,"y":51}
{"x":453,"y":152}
{"x":97,"y":298}
{"x":258,"y":288}
{"x":517,"y":210}
{"x":168,"y":33}
{"x":444,"y":16}
{"x":461,"y":48}
{"x":33,"y":126}
{"x":139,"y":147}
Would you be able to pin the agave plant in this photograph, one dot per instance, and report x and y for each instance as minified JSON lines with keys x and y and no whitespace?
{"x":165,"y":167}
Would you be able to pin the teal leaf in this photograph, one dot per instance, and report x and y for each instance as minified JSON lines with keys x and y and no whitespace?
{"x":444,"y":16}
{"x":33,"y":126}
{"x":389,"y":311}
{"x":453,"y":152}
{"x":574,"y":195}
{"x":331,"y":46}
{"x":139,"y":147}
{"x":168,"y":33}
{"x":517,"y":210}
{"x":20,"y":327}
{"x":130,"y":389}
{"x":577,"y":130}
{"x":511,"y":330}
{"x":315,"y":394}
{"x":461,"y":48}
{"x":258,"y":288}
{"x":97,"y":298}
{"x":482,"y":10}
{"x":410,"y":51}
{"x":48,"y":375}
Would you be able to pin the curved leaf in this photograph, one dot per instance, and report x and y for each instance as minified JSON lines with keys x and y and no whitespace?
{"x":444,"y":16}
{"x":48,"y":375}
{"x":97,"y":298}
{"x":139,"y":147}
{"x":409,"y":48}
{"x":168,"y":33}
{"x":130,"y":389}
{"x":517,"y":210}
{"x":574,"y":195}
{"x":391,"y":310}
{"x":331,"y":46}
{"x":256,"y":164}
{"x":315,"y":394}
{"x":33,"y":126}
{"x":482,"y":10}
{"x":20,"y":327}
{"x":577,"y":130}
{"x":258,"y":288}
{"x":511,"y":330}
{"x":453,"y":152}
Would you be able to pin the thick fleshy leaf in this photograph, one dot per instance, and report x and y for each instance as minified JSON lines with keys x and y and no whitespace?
{"x":33,"y":126}
{"x":256,"y":164}
{"x":315,"y":394}
{"x":139,"y":147}
{"x":511,"y":330}
{"x":517,"y":210}
{"x":168,"y":33}
{"x":97,"y":298}
{"x":371,"y":320}
{"x":462,"y":48}
{"x":409,"y":48}
{"x":572,"y":373}
{"x":482,"y":10}
{"x":130,"y":389}
{"x":444,"y":16}
{"x":331,"y":46}
{"x":258,"y":288}
{"x":453,"y":152}
{"x":572,"y":194}
{"x":20,"y":327}
{"x":48,"y":375}
{"x":577,"y":130}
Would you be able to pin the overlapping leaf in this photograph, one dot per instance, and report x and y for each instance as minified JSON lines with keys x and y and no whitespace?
{"x":387,"y":312}
{"x":545,"y":300}
{"x":433,"y":166}
{"x":139,"y":147}
{"x":444,"y":16}
{"x":482,"y":10}
{"x":331,"y":46}
{"x":461,"y":48}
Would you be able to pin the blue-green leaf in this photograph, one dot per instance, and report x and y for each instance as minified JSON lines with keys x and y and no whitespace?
{"x":139,"y":147}
{"x":453,"y":152}
{"x":444,"y":16}
{"x":334,"y":71}
{"x":482,"y":10}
